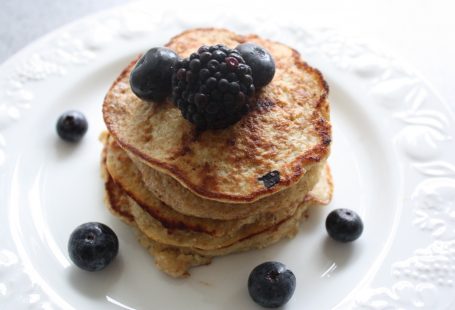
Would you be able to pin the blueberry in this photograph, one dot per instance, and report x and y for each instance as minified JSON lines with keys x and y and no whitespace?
{"x":92,"y":246}
{"x":344,"y":225}
{"x":260,"y":61}
{"x":151,"y":77}
{"x":72,"y":126}
{"x":270,"y":179}
{"x":271,"y":284}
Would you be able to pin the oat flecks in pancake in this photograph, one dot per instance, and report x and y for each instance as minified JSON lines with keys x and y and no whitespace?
{"x":288,"y":129}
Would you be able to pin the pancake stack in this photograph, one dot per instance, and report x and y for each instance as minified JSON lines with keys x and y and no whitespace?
{"x":195,"y":195}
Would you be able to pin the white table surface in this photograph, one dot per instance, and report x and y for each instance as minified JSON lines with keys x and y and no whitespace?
{"x":419,"y":32}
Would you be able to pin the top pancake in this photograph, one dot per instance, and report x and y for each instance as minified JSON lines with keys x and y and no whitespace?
{"x":287,"y":130}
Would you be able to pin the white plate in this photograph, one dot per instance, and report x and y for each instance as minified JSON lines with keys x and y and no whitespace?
{"x":390,"y":160}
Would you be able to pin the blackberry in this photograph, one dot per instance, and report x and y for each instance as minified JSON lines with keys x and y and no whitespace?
{"x":212,"y":87}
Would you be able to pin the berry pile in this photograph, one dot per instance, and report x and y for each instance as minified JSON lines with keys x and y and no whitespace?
{"x":212,"y":87}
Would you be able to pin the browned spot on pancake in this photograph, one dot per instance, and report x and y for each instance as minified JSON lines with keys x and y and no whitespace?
{"x":314,"y":157}
{"x":244,"y":146}
{"x":249,"y":126}
{"x":262,"y":105}
{"x":122,"y":158}
{"x":184,"y":150}
{"x":270,"y":153}
{"x":324,"y":129}
{"x":144,"y":136}
{"x":113,"y":191}
{"x":326,"y":139}
{"x":188,"y":138}
{"x":281,"y":127}
{"x":252,"y":141}
{"x":230,"y":142}
{"x":208,"y":180}
{"x":297,"y":170}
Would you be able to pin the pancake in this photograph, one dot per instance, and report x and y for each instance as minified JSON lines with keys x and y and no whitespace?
{"x":160,"y":187}
{"x":170,"y":227}
{"x":208,"y":244}
{"x":177,"y":256}
{"x":287,"y":130}
{"x":183,"y":200}
{"x":126,"y":176}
